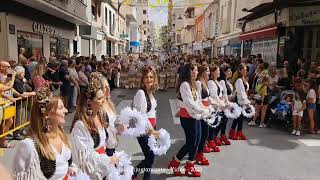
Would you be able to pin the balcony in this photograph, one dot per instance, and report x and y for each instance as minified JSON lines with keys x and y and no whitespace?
{"x":189,"y":23}
{"x":73,"y":11}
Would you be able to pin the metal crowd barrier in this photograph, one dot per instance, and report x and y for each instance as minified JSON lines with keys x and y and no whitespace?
{"x":21,"y":108}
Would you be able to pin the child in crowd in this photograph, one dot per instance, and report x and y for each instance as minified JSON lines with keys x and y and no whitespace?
{"x":297,"y":114}
{"x":284,"y":107}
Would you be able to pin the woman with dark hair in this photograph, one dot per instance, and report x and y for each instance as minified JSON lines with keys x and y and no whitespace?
{"x":191,"y":112}
{"x":203,"y":93}
{"x":145,"y":102}
{"x":215,"y":90}
{"x":242,"y":88}
{"x":227,"y":90}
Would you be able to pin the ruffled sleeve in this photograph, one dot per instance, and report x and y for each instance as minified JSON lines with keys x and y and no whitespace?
{"x":241,"y":93}
{"x":140,"y":103}
{"x":27,"y":164}
{"x":224,"y":90}
{"x":199,"y":89}
{"x":87,"y":159}
{"x":188,"y":100}
{"x":213,"y":89}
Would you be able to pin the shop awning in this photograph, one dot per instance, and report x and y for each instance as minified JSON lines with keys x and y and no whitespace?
{"x":135,"y":43}
{"x":266,"y":32}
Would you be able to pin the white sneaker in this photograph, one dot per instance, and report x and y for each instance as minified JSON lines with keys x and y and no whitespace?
{"x":262,"y":125}
{"x":298,"y":133}
{"x":294,"y":132}
{"x":251,"y":123}
{"x":273,"y":111}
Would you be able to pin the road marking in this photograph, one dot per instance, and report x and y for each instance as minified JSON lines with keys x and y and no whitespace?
{"x":310,"y":142}
{"x":123,"y":104}
{"x":174,"y":109}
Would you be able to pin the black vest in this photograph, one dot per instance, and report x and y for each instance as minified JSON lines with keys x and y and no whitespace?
{"x":48,"y":167}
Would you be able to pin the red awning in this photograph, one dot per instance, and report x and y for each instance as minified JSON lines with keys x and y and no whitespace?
{"x":266,"y":32}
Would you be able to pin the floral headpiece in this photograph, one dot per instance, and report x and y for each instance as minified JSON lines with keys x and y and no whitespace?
{"x":43,"y":96}
{"x":95,"y":84}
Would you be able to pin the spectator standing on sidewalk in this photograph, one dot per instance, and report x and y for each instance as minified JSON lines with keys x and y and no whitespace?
{"x":22,"y":87}
{"x":74,"y":85}
{"x":5,"y":87}
{"x":37,"y":77}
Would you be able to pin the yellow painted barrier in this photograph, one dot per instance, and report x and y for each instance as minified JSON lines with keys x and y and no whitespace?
{"x":9,"y":110}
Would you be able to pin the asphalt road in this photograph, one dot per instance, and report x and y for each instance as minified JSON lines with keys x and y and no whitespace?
{"x":268,"y":154}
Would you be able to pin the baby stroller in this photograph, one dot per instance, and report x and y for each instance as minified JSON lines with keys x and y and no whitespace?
{"x":280,"y":109}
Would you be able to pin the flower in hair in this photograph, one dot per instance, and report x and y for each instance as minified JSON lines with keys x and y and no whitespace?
{"x":95,"y":84}
{"x":43,"y":96}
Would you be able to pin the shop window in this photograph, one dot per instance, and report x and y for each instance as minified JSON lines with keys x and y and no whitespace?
{"x":59,"y":46}
{"x":32,"y":43}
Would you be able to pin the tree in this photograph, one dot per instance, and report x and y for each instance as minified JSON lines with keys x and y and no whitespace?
{"x":164,"y":37}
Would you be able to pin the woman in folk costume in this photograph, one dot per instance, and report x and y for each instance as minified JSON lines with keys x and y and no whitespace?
{"x":215,"y":90}
{"x":46,"y":153}
{"x":227,"y":91}
{"x":191,"y":113}
{"x":144,"y":101}
{"x":89,"y":134}
{"x":242,"y":87}
{"x":203,"y":93}
{"x":109,"y":114}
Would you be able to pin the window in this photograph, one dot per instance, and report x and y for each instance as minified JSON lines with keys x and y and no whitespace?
{"x":59,"y":46}
{"x":144,"y":32}
{"x":144,"y":11}
{"x":32,"y":43}
{"x":94,"y":12}
{"x":106,"y":16}
{"x":144,"y":22}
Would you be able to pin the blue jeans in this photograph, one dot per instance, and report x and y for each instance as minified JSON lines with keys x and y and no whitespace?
{"x":192,"y":130}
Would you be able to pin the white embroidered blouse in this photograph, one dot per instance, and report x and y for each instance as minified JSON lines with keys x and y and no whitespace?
{"x":27,"y":162}
{"x":224,"y":89}
{"x":216,"y":96}
{"x":140,"y":103}
{"x":96,"y":165}
{"x":193,"y":106}
{"x":242,"y":96}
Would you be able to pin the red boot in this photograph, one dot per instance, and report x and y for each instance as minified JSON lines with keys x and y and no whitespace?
{"x":217,"y":141}
{"x":201,"y":159}
{"x":206,"y":149}
{"x":224,"y":140}
{"x":241,"y":136}
{"x":212,"y":146}
{"x":174,"y":165}
{"x":191,"y":171}
{"x":233,"y":135}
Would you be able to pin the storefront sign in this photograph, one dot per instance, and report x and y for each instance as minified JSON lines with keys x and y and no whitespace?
{"x":44,"y":29}
{"x":304,"y":16}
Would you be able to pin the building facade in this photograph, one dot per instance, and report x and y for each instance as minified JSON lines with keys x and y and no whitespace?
{"x":47,"y":31}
